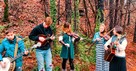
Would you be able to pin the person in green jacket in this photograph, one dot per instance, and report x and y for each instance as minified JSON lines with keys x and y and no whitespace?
{"x":67,"y":51}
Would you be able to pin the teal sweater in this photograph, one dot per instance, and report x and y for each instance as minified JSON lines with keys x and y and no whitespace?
{"x":67,"y":52}
{"x":34,"y":35}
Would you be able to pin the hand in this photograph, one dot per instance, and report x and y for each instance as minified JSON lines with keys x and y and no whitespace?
{"x":52,"y":37}
{"x":41,"y":39}
{"x":106,"y":48}
{"x":116,"y":43}
{"x":26,"y":52}
{"x":98,"y":39}
{"x":67,"y":45}
{"x":3,"y":64}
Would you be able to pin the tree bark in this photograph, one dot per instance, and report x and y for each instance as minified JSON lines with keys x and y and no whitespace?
{"x":87,"y":19}
{"x":111,"y":13}
{"x":58,"y":19}
{"x":68,"y":10}
{"x":134,"y":39}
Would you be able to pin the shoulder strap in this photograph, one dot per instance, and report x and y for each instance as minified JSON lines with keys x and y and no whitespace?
{"x":16,"y":47}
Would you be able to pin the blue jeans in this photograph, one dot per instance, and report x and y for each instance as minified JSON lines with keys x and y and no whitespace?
{"x":44,"y":55}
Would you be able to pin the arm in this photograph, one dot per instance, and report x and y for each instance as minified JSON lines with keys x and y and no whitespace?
{"x":61,"y":41}
{"x":123,"y":45}
{"x":34,"y":34}
{"x":96,"y":36}
{"x":1,"y":50}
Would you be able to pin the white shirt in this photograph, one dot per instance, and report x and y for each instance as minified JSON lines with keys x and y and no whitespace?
{"x":120,"y":50}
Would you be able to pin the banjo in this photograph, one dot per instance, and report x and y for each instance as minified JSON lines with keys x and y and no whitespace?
{"x":10,"y":62}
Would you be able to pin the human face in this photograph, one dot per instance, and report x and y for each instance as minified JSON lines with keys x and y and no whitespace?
{"x":101,"y":28}
{"x":10,"y":36}
{"x":114,"y":31}
{"x":45,"y":25}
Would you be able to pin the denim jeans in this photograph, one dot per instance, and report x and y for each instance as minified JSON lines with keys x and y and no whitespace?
{"x":44,"y":55}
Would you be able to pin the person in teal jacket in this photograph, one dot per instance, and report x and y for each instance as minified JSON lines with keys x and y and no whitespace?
{"x":67,"y":51}
{"x":8,"y":45}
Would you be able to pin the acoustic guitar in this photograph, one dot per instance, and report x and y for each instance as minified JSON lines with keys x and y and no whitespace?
{"x":110,"y":52}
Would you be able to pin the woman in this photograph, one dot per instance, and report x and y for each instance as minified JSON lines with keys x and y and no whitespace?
{"x":118,"y":63}
{"x":100,"y":38}
{"x":67,"y":51}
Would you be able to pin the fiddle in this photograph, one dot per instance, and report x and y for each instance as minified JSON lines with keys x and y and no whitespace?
{"x":105,"y":36}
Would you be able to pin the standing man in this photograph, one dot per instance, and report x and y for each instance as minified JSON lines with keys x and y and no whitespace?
{"x":12,"y":45}
{"x":43,"y":53}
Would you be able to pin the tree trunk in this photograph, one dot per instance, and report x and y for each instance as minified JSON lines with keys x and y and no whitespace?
{"x":58,"y":19}
{"x":68,"y":10}
{"x":6,"y":13}
{"x":111,"y":12}
{"x":87,"y":19}
{"x":47,"y":7}
{"x":100,"y":8}
{"x":75,"y":16}
{"x":134,"y":39}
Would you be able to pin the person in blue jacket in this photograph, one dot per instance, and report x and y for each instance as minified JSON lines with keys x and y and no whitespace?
{"x":100,"y":39}
{"x":8,"y":45}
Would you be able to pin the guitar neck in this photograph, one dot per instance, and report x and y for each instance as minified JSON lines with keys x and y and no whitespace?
{"x":21,"y":54}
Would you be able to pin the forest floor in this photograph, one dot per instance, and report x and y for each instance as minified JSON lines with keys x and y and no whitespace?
{"x":30,"y":61}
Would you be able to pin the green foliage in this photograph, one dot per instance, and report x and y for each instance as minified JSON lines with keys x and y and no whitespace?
{"x":2,"y":28}
{"x":57,"y":68}
{"x":89,"y":58}
{"x":98,"y":20}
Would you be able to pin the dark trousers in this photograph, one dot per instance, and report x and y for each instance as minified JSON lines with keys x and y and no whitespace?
{"x":118,"y":64}
{"x":70,"y":62}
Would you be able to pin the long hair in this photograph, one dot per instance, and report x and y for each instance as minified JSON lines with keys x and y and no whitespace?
{"x":66,"y":28}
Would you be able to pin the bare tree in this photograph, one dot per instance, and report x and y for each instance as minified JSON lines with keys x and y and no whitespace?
{"x":58,"y":12}
{"x":68,"y":10}
{"x":134,"y":39}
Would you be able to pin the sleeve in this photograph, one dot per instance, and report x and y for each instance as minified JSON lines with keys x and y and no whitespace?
{"x":95,"y":36}
{"x":21,"y":45}
{"x":34,"y":34}
{"x":1,"y":50}
{"x":60,"y":38}
{"x":123,"y":45}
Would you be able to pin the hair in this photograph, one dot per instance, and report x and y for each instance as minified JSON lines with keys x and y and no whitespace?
{"x":66,"y":28}
{"x":48,"y":21}
{"x":9,"y":31}
{"x":119,"y":29}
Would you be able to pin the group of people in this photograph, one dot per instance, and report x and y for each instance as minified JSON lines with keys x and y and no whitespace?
{"x":104,"y":42}
{"x":44,"y":55}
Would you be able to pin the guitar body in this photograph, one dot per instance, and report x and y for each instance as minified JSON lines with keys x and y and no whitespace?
{"x":109,"y":54}
{"x":9,"y":66}
{"x":47,"y":38}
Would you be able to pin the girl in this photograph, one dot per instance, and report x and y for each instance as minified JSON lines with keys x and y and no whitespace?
{"x":101,"y":64}
{"x":118,"y":63}
{"x":67,"y":51}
